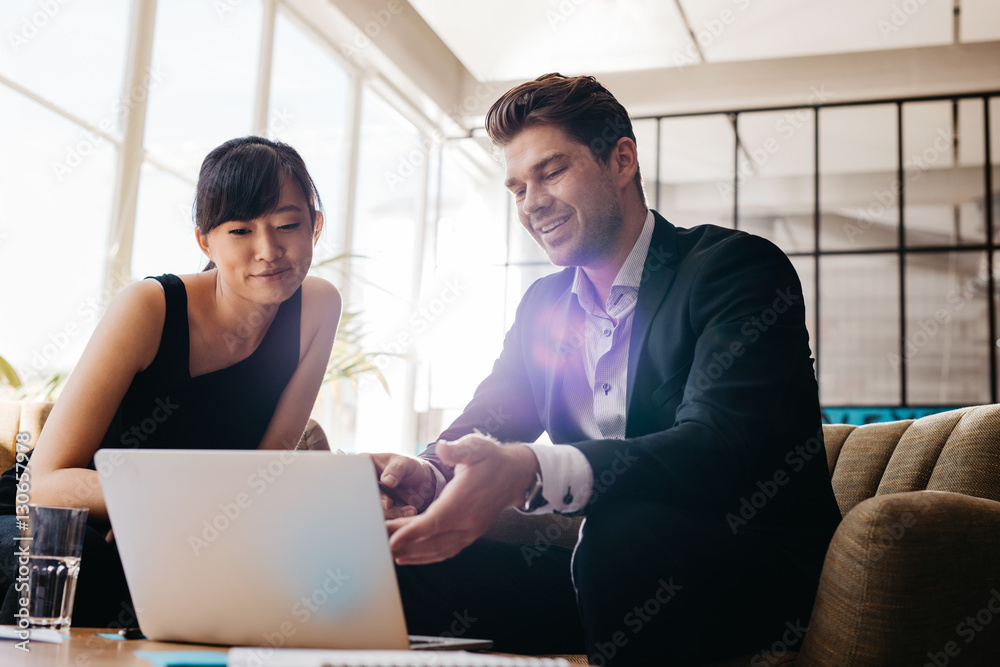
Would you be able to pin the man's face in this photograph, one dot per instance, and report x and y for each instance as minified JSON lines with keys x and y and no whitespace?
{"x":566,"y":200}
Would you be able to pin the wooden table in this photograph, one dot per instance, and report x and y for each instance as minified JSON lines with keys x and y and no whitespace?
{"x":86,"y":649}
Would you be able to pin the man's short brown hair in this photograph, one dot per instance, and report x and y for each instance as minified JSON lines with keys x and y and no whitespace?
{"x":579,"y":105}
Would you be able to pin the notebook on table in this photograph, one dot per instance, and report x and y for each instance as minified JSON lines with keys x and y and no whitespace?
{"x":250,"y":657}
{"x":257,"y":548}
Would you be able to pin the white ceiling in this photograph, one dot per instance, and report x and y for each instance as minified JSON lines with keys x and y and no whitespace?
{"x":520,"y":39}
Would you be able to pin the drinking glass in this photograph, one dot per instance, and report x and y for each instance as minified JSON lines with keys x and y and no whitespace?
{"x":55,"y":540}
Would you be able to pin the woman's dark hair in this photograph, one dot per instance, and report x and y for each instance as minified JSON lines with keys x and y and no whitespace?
{"x":242,"y":179}
{"x":579,"y":105}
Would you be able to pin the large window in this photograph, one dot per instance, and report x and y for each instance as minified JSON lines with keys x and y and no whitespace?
{"x":696,"y":170}
{"x":385,"y":277}
{"x":774,"y":177}
{"x":308,"y":108}
{"x":63,"y":167}
{"x":61,"y":117}
{"x":72,"y":55}
{"x":201,"y":92}
{"x":888,"y":210}
{"x":883,"y":211}
{"x":463,"y":313}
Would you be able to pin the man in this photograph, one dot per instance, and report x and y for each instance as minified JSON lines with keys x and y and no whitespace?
{"x":672,"y":369}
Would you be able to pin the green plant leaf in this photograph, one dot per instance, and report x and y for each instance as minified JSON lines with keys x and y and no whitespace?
{"x":349,"y":359}
{"x":8,"y":374}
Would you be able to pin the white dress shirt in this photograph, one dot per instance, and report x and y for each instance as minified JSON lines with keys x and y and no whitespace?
{"x":597,"y":401}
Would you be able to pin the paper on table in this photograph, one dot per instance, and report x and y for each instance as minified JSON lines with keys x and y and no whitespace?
{"x":267,"y":657}
{"x":45,"y":635}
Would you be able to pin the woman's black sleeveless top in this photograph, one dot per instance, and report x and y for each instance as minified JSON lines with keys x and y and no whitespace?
{"x":166,"y":408}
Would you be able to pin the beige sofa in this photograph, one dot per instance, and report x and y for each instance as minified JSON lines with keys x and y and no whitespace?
{"x":914,"y":568}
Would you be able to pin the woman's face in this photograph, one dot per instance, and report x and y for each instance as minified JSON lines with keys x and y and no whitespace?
{"x":266,"y":259}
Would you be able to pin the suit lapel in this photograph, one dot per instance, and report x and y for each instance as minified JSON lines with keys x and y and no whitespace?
{"x":657,"y":277}
{"x":564,"y":350}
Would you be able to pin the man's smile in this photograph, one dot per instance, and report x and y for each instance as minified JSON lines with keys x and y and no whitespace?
{"x":551,"y":224}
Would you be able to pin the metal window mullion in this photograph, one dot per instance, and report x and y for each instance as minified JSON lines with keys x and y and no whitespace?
{"x":410,"y":380}
{"x":58,"y":110}
{"x":659,"y":134}
{"x":350,"y":183}
{"x":945,"y":97}
{"x":343,"y":413}
{"x":262,"y":93}
{"x":901,"y":249}
{"x":990,"y":247}
{"x":816,"y":233}
{"x":913,"y":250}
{"x":118,"y":258}
{"x":735,"y":120}
{"x":438,"y":208}
{"x":507,"y":264}
{"x":168,"y":169}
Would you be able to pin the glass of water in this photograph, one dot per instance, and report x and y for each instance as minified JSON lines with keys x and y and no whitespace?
{"x":55,"y":540}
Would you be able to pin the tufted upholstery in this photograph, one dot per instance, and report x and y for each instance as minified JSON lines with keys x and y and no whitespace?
{"x":957,"y":451}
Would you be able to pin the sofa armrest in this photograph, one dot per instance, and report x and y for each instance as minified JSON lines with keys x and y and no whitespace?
{"x":313,"y":438}
{"x":910,"y":578}
{"x":20,"y":416}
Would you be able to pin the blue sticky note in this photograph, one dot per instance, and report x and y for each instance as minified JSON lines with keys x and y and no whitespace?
{"x":108,"y":635}
{"x":184,"y":658}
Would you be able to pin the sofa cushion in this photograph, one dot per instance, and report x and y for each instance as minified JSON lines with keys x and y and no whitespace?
{"x":916,"y":454}
{"x":862,"y":461}
{"x":970,"y":460}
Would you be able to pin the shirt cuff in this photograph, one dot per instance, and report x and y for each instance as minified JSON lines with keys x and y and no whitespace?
{"x":567,"y":478}
{"x":439,"y":482}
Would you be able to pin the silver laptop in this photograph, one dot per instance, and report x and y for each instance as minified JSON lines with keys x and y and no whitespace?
{"x":257,"y":548}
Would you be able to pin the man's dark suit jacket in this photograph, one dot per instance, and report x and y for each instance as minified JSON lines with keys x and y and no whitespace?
{"x":723,"y":413}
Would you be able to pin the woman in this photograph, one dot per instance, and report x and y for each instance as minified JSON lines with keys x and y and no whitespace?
{"x":230,"y":358}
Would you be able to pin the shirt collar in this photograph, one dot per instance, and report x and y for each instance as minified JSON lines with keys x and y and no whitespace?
{"x":630,"y":275}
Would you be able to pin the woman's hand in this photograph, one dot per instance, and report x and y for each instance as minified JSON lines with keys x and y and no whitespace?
{"x":410,"y":479}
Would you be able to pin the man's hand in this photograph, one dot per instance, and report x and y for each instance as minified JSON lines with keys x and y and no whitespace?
{"x":409,"y":479}
{"x":488,"y":477}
